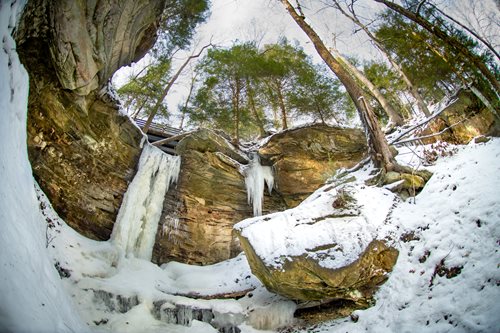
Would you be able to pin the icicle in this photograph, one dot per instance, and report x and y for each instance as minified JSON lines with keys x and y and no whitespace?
{"x":272,"y":316}
{"x":256,"y":177}
{"x":135,"y":228}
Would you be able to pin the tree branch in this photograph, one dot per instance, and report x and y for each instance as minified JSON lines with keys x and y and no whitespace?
{"x":155,"y":109}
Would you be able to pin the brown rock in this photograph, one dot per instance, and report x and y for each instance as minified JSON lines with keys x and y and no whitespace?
{"x":469,"y":118}
{"x":83,"y":152}
{"x":304,"y":158}
{"x":337,"y":258}
{"x":210,"y":197}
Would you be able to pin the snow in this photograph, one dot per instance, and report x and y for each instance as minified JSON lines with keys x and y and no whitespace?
{"x":315,"y":223}
{"x":454,"y":220}
{"x":33,"y":299}
{"x":256,"y":177}
{"x":55,"y":280}
{"x":135,"y":229}
{"x":97,"y":275}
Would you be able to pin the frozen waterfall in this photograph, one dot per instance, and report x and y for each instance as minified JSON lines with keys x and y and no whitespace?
{"x":256,"y":177}
{"x":137,"y":222}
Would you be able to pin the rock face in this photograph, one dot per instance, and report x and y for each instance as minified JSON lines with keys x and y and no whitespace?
{"x":325,"y":251}
{"x":305,"y":158}
{"x":469,"y":118}
{"x":83,"y":152}
{"x":198,"y":218}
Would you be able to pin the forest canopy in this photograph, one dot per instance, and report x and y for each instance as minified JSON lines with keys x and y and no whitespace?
{"x":248,"y":89}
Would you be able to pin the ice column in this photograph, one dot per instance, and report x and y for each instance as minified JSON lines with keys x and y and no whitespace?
{"x":256,"y":177}
{"x":137,"y":222}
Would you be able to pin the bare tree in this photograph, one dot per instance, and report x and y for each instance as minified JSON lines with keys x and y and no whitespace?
{"x":411,"y":87}
{"x":184,"y":109}
{"x":472,"y":32}
{"x":381,"y":154}
{"x":155,"y":109}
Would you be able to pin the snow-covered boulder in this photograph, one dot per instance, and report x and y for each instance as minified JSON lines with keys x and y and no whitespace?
{"x":325,"y":249}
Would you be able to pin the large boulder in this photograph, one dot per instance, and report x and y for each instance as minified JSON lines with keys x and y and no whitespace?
{"x":82,"y":150}
{"x":304,"y":158}
{"x":325,"y":249}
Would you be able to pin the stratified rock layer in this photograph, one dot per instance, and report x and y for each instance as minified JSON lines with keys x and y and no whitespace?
{"x":466,"y":118}
{"x":304,"y":158}
{"x":83,"y":152}
{"x":198,"y":218}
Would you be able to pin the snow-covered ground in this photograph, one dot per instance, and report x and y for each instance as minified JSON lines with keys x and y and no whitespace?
{"x":446,"y":278}
{"x":54,"y":280}
{"x":33,"y":298}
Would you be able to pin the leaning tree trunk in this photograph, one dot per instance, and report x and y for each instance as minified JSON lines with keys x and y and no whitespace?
{"x":394,"y":117}
{"x":411,"y":87}
{"x":251,"y":101}
{"x":381,"y":154}
{"x":155,"y":109}
{"x":281,"y":103}
{"x":454,"y":43}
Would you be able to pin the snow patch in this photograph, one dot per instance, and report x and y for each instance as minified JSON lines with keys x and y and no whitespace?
{"x":33,"y":298}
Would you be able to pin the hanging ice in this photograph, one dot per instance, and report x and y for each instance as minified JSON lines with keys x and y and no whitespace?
{"x":137,"y":222}
{"x":256,"y":177}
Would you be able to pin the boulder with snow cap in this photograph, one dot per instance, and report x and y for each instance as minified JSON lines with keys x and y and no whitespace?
{"x":325,"y":249}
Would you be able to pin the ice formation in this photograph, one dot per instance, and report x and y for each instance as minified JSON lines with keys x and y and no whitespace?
{"x":137,"y":222}
{"x":256,"y":177}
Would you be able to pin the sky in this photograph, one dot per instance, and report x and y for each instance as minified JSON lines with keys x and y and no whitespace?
{"x":241,"y":20}
{"x":267,"y":20}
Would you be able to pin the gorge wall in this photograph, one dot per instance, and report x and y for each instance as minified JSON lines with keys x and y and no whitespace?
{"x":82,"y":151}
{"x":198,"y":216}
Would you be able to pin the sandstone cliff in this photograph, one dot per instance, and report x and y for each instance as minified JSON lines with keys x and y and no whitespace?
{"x":198,"y":216}
{"x":83,"y":152}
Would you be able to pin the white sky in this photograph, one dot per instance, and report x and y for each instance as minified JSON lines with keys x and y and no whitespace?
{"x":241,"y":20}
{"x":267,"y":20}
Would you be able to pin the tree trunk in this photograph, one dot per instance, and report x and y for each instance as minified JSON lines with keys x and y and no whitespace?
{"x":281,"y":103}
{"x":454,"y":43}
{"x":155,"y":109}
{"x":381,"y":154}
{"x":136,"y":113}
{"x":411,"y":87}
{"x":236,"y":112}
{"x":251,"y":101}
{"x":191,"y":88}
{"x":394,"y":117}
{"x":320,"y":114}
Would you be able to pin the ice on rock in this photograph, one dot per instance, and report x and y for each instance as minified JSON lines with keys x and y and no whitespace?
{"x":137,"y":222}
{"x":256,"y":177}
